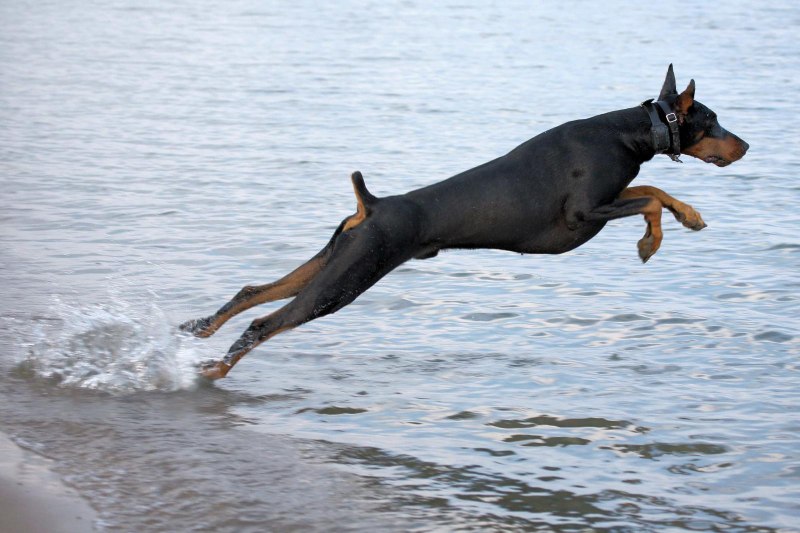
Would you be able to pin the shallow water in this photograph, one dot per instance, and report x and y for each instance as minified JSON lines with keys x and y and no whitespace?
{"x":155,"y":159}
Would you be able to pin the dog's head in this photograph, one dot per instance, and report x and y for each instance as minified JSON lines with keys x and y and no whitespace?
{"x":701,"y":135}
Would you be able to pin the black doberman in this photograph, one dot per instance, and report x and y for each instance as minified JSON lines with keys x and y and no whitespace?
{"x":547,"y":196}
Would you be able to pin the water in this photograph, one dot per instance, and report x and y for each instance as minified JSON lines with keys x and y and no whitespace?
{"x":154,"y":159}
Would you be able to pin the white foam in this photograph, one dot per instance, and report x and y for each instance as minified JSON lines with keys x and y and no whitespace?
{"x":114,"y":348}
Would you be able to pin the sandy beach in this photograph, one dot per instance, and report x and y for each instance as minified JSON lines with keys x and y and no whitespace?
{"x":33,"y":498}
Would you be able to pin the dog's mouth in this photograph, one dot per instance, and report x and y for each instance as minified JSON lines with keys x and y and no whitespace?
{"x":717,"y":160}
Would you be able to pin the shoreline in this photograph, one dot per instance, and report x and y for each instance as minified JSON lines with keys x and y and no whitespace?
{"x":33,"y":497}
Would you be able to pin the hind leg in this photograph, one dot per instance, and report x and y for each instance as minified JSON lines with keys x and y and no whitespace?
{"x":360,"y":258}
{"x":251,"y":295}
{"x":289,"y":285}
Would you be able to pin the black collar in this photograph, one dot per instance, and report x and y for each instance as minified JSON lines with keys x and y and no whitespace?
{"x":662,"y":141}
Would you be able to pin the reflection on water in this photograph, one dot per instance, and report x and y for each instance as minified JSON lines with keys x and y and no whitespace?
{"x":155,"y":160}
{"x":530,"y":506}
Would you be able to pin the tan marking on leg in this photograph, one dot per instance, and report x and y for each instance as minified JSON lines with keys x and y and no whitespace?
{"x":219,"y":369}
{"x":215,"y":370}
{"x":252,"y":296}
{"x":651,"y":242}
{"x":236,"y":358}
{"x":288,"y":286}
{"x":683,"y":213}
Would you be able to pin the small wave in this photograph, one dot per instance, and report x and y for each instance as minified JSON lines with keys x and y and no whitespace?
{"x":112,"y":348}
{"x":784,"y":246}
{"x":333,"y":410}
{"x":773,"y":336}
{"x":657,"y":449}
{"x":487,"y":317}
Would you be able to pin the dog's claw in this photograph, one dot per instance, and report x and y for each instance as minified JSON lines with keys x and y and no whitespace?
{"x":214,"y":369}
{"x":695,"y":224}
{"x":691,"y":219}
{"x":199,"y":327}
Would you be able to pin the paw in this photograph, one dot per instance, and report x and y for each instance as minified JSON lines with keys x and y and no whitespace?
{"x":214,"y":369}
{"x":690,"y":218}
{"x":648,"y":245}
{"x":201,"y":327}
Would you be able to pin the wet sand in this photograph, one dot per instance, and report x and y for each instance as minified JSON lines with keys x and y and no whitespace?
{"x":33,"y":498}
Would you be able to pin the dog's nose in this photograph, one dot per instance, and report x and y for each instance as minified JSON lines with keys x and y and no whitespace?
{"x":745,"y":147}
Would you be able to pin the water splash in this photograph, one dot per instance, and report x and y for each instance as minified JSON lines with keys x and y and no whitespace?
{"x":113,"y":348}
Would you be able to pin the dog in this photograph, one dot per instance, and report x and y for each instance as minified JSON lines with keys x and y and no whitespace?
{"x":549,"y":195}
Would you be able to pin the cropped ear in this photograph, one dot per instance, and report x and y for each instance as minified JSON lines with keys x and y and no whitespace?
{"x":669,"y":88}
{"x":685,"y":100}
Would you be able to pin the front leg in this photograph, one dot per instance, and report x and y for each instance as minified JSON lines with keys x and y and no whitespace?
{"x":651,"y":241}
{"x":649,"y":202}
{"x":683,"y":213}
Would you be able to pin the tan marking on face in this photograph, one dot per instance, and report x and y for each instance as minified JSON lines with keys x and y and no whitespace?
{"x":721,"y":152}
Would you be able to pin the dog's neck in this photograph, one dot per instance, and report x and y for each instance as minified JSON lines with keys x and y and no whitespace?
{"x":664,"y":128}
{"x":635,"y":127}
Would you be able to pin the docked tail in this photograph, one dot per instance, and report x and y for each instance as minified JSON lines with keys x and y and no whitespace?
{"x":364,"y":202}
{"x":364,"y":198}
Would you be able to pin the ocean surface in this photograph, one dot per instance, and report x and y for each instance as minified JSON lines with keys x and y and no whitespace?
{"x":156,"y":157}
